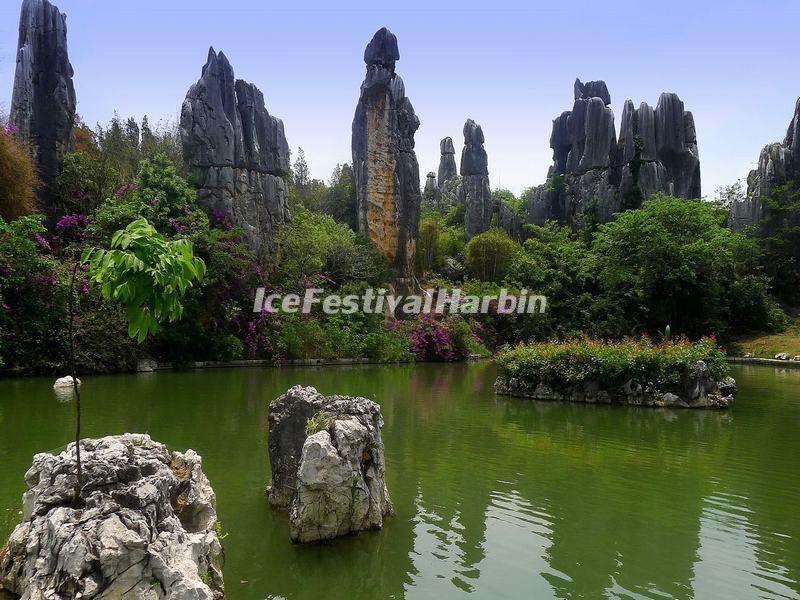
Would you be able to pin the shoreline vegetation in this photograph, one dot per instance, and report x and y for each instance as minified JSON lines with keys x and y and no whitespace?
{"x":631,"y":371}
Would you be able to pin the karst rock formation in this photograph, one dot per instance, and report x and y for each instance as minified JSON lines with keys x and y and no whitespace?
{"x":384,"y":162}
{"x":595,"y":173}
{"x":778,"y":165}
{"x":147,"y":529}
{"x":474,"y":191}
{"x":447,"y":162}
{"x":237,"y":153}
{"x":43,"y":100}
{"x":327,"y":463}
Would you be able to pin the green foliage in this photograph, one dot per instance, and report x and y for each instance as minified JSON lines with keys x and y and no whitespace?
{"x":780,"y":242}
{"x":314,"y":244}
{"x":507,"y":197}
{"x":161,"y":195}
{"x":85,"y":181}
{"x":31,"y":297}
{"x":18,"y":179}
{"x":318,"y":422}
{"x":490,"y":254}
{"x":611,"y":364}
{"x":673,"y":261}
{"x":146,"y":273}
{"x":339,"y":199}
{"x":633,"y":197}
{"x":555,"y":184}
{"x":437,"y":240}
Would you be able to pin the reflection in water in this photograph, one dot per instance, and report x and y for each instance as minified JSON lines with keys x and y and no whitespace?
{"x":495,"y":497}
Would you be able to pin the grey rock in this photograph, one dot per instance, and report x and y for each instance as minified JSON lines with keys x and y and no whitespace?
{"x":474,"y":192}
{"x":237,"y":153}
{"x":431,"y":196}
{"x":473,"y":157}
{"x":447,"y":162}
{"x":595,"y":172}
{"x":778,"y":165}
{"x":782,"y":356}
{"x":332,"y":479}
{"x":384,"y":162}
{"x":592,"y":89}
{"x":509,"y":221}
{"x":43,"y":100}
{"x":452,"y":270}
{"x":599,"y":135}
{"x":147,"y":529}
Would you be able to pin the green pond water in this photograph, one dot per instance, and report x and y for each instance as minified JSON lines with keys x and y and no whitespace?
{"x":495,"y":497}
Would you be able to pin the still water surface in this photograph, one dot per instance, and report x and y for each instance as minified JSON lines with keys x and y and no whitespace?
{"x":495,"y":497}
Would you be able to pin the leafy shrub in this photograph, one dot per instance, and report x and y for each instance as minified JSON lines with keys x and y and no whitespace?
{"x":18,"y":179}
{"x":315,"y":244}
{"x":611,"y":364}
{"x":438,"y":338}
{"x":674,"y":262}
{"x":490,"y":254}
{"x":31,"y":298}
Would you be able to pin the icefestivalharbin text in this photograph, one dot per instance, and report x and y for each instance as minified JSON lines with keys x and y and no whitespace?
{"x":441,"y":301}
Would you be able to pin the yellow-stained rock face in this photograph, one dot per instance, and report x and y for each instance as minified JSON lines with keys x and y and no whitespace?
{"x":382,"y":219}
{"x":384,"y":163}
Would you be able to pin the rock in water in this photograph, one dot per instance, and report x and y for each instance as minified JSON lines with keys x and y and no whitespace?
{"x":66,"y":382}
{"x":43,"y":100}
{"x":147,"y":530}
{"x":778,"y":164}
{"x":596,"y":174}
{"x":326,"y":456}
{"x":237,"y":153}
{"x":475,"y":194}
{"x":384,"y":163}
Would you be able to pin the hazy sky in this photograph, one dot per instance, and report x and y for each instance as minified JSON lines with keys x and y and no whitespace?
{"x":509,"y":66}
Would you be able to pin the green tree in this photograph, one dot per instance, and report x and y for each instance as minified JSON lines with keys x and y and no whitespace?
{"x":673,"y":262}
{"x":148,"y":275}
{"x":339,"y":199}
{"x":490,"y":253}
{"x":780,"y":242}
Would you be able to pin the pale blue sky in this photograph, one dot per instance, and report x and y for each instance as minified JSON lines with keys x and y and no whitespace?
{"x":508,"y":65}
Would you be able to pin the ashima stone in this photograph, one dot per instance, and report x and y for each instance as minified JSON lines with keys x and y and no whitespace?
{"x":384,"y":162}
{"x":237,"y":153}
{"x":778,"y":165}
{"x":595,"y":172}
{"x":327,"y":461}
{"x":43,"y":101}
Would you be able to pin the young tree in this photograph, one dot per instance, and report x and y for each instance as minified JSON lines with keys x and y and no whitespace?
{"x":300,"y":170}
{"x":149,"y":276}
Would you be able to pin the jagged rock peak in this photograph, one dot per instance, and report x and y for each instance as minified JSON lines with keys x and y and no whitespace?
{"x":382,"y":49}
{"x":474,"y":191}
{"x":656,"y":152}
{"x":446,"y":146}
{"x":447,"y":162}
{"x":43,"y":100}
{"x":778,"y":164}
{"x":474,"y":160}
{"x":237,"y":152}
{"x":592,"y":89}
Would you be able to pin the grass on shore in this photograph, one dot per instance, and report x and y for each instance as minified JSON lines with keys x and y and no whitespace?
{"x":767,"y":345}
